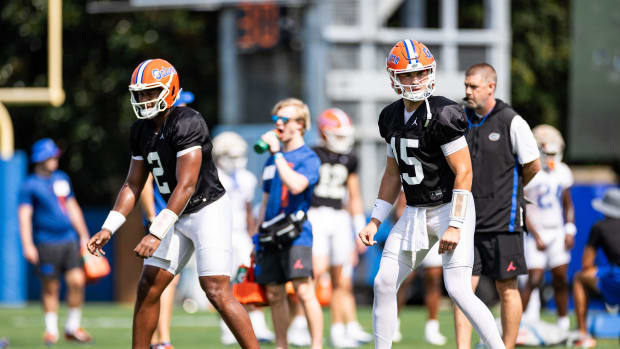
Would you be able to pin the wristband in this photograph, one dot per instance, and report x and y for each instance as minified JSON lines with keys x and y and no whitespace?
{"x":278,"y":155}
{"x":570,"y":228}
{"x":458,"y":209}
{"x":162,"y":223}
{"x":359,"y":222}
{"x":114,"y":221}
{"x":380,"y":210}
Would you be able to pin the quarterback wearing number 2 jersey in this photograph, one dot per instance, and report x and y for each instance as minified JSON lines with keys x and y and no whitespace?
{"x":173,"y":144}
{"x":428,"y":157}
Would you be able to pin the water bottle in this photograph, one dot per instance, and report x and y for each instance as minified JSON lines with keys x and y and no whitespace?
{"x":261,"y":146}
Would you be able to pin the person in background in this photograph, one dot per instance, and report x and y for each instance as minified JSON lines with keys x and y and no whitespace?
{"x":605,"y":235}
{"x":334,"y":246}
{"x":289,"y":178}
{"x":53,"y":230}
{"x":505,"y":158}
{"x":432,"y":289}
{"x":151,"y":203}
{"x":230,"y":156}
{"x":551,"y":222}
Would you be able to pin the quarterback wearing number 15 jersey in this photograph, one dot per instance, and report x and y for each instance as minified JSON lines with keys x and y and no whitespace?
{"x":417,"y":147}
{"x":184,"y":130}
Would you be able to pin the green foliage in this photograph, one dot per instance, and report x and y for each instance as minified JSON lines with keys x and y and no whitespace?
{"x":100,"y":53}
{"x":540,"y":60}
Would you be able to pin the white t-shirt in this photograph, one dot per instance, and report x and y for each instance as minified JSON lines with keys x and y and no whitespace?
{"x":240,"y":190}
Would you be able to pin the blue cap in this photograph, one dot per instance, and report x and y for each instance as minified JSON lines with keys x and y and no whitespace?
{"x":44,"y":149}
{"x":186,"y":97}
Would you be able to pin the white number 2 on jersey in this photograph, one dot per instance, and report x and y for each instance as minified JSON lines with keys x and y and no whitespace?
{"x":409,"y":160}
{"x":332,"y":178}
{"x":158,"y":171}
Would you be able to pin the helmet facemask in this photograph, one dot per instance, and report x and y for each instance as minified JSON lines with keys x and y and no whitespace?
{"x":550,"y":155}
{"x":142,"y":109}
{"x":231,"y":161}
{"x":339,"y":140}
{"x":415,"y":92}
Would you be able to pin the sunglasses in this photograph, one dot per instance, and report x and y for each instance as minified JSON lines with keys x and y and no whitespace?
{"x":284,"y":119}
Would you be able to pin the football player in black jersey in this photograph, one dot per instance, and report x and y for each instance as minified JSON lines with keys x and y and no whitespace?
{"x":173,"y":143}
{"x":427,"y":154}
{"x":335,"y":201}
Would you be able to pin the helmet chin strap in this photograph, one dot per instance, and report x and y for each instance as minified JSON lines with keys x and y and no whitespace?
{"x":428,"y":112}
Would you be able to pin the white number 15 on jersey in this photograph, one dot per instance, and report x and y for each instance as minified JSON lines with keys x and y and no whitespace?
{"x":408,"y":160}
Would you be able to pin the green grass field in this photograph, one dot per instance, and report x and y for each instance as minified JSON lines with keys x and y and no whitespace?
{"x":110,"y":325}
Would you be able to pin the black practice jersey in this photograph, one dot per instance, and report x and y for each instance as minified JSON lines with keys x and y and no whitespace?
{"x":331,"y":190}
{"x":424,"y":172}
{"x":184,"y":130}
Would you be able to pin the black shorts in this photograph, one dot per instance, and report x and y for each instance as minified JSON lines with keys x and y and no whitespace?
{"x":275,"y":267}
{"x":56,"y":259}
{"x":499,"y":256}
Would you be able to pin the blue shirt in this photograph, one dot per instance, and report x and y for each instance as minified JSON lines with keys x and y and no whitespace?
{"x":48,"y":197}
{"x":304,"y":161}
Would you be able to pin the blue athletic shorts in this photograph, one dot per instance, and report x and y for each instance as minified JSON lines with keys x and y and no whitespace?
{"x":609,"y":283}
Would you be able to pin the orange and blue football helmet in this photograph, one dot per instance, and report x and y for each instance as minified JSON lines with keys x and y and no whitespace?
{"x":336,"y":129}
{"x":409,"y":56}
{"x":154,"y":74}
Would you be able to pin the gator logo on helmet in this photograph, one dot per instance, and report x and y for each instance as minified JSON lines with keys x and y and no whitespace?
{"x":159,"y":74}
{"x":392,"y":58}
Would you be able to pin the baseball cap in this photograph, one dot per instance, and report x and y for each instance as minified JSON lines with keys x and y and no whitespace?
{"x":44,"y":149}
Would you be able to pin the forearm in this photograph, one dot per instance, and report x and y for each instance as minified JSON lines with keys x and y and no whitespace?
{"x":294,"y":181}
{"x":147,"y":202}
{"x":567,"y":205}
{"x":25,"y":226}
{"x":180,"y":197}
{"x":77,"y":218}
{"x":463,"y":179}
{"x":126,"y":199}
{"x":530,"y":227}
{"x":389,"y":188}
{"x":355,"y":204}
{"x":530,"y":170}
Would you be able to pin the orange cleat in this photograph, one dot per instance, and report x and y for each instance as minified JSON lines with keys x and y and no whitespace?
{"x":79,"y":335}
{"x":50,"y":338}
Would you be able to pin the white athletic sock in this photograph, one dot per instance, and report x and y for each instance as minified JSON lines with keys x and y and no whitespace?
{"x":51,"y":323}
{"x":384,"y":309}
{"x":564,"y":322}
{"x":257,"y":318}
{"x":74,"y":318}
{"x":532,"y":312}
{"x":458,"y":285}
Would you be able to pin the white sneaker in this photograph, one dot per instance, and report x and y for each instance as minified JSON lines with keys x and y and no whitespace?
{"x":343,"y":342}
{"x":263,"y":334}
{"x":435,"y":338}
{"x":226,"y":336}
{"x":299,"y":337}
{"x":355,"y":331}
{"x":397,"y":337}
{"x":432,"y":334}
